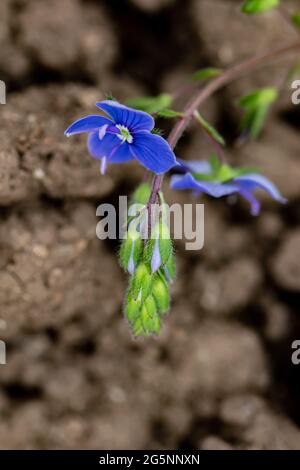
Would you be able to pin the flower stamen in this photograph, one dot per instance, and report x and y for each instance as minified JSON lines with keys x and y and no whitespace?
{"x":124,"y":135}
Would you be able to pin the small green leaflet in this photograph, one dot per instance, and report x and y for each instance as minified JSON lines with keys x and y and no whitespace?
{"x":169,"y":114}
{"x":222,"y":173}
{"x":258,"y":98}
{"x":204,"y":74}
{"x":209,"y":129}
{"x":110,"y":97}
{"x":251,"y":7}
{"x":256,"y":106}
{"x":157,"y":131}
{"x":215,"y":164}
{"x":151,"y":104}
{"x":296,"y":20}
{"x":228,"y":173}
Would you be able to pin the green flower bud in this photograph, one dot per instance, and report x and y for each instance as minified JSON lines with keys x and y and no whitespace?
{"x":141,"y":282}
{"x":170,"y":268}
{"x":137,"y":327}
{"x":159,"y":248}
{"x":132,"y":308}
{"x":151,"y":306}
{"x":165,"y":243}
{"x":160,"y":292}
{"x":145,"y":326}
{"x":142,"y":193}
{"x":151,"y":323}
{"x":131,"y":251}
{"x":146,"y":320}
{"x":156,"y":325}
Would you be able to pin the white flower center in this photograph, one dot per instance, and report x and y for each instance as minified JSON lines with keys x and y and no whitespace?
{"x":124,"y":135}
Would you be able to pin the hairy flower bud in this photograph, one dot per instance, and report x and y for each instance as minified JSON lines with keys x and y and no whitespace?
{"x":151,"y":323}
{"x":132,"y":308}
{"x":142,"y":194}
{"x":170,"y":268}
{"x":159,"y":249}
{"x":131,"y":250}
{"x":151,"y":306}
{"x":141,"y":282}
{"x":160,"y":292}
{"x":137,"y":327}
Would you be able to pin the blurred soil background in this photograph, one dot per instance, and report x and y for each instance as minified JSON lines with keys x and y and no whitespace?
{"x":220,"y":375}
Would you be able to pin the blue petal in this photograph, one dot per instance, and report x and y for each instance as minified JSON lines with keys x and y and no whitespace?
{"x":211,"y":188}
{"x":194,"y":166}
{"x":153,"y":152}
{"x":122,"y":155}
{"x":87,"y":124}
{"x":254,"y":180}
{"x":133,"y":119}
{"x":110,"y":147}
{"x":254,"y":203}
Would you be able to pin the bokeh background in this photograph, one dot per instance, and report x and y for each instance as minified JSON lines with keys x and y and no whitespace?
{"x":220,"y":375}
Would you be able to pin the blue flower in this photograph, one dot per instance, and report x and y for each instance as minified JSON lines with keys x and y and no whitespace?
{"x":199,"y":176}
{"x":125,"y":136}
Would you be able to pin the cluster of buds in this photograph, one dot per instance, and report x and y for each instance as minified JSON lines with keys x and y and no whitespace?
{"x":150,"y":262}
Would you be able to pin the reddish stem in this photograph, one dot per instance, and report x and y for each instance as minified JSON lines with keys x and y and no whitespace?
{"x":215,"y":84}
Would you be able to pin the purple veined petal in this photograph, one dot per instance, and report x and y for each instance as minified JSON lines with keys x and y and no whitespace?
{"x":110,"y":147}
{"x":133,"y":119}
{"x":153,"y":152}
{"x":99,"y":148}
{"x":194,"y":166}
{"x":87,"y":124}
{"x":122,"y":154}
{"x":254,"y":180}
{"x":213,"y":189}
{"x":254,"y":203}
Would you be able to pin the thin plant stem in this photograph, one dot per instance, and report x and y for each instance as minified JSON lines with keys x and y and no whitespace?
{"x":229,"y":75}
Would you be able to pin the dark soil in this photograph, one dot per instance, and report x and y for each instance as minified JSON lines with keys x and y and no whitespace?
{"x":220,"y":375}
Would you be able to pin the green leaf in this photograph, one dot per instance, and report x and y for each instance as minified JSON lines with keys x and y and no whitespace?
{"x":222,"y":173}
{"x":204,"y":74}
{"x":151,"y":104}
{"x":264,"y":96}
{"x":228,"y":173}
{"x":254,"y":121}
{"x":215,"y":163}
{"x":209,"y":129}
{"x":296,"y":20}
{"x":251,"y":7}
{"x":256,"y":106}
{"x":169,"y":113}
